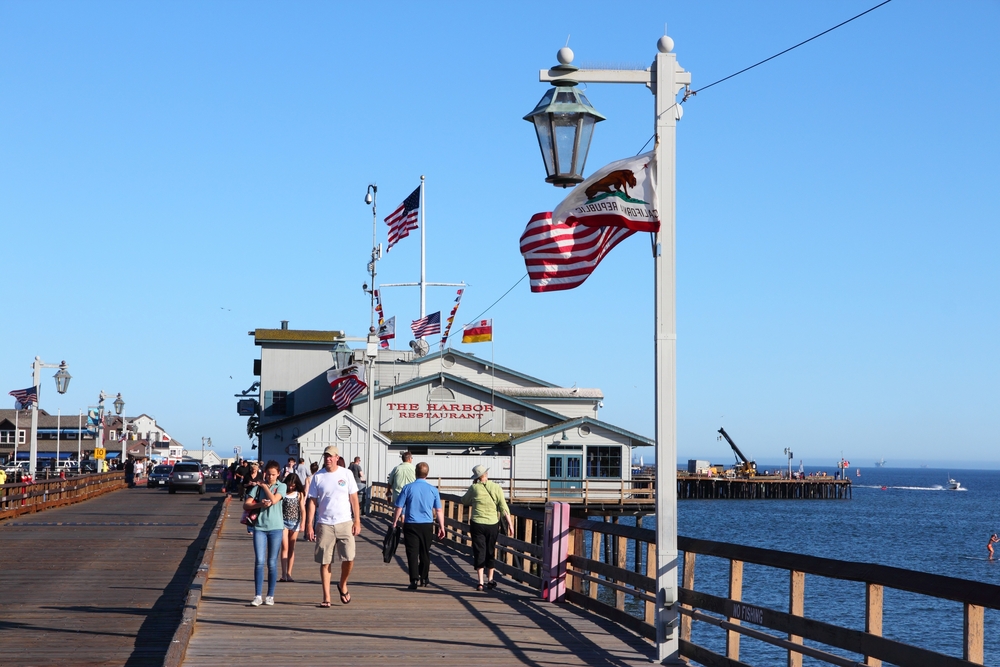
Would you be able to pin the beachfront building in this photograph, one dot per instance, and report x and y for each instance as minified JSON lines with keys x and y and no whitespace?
{"x":451,"y":409}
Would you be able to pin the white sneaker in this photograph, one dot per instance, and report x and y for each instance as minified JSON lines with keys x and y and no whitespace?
{"x":257,"y":601}
{"x":269,"y":601}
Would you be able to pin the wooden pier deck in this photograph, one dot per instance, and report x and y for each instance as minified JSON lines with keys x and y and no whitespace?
{"x":448,"y":623}
{"x":101,"y":582}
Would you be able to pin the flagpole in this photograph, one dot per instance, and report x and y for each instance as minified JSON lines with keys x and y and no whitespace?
{"x":79,"y":444}
{"x":58,"y":429}
{"x":17,"y":431}
{"x":423,"y":262}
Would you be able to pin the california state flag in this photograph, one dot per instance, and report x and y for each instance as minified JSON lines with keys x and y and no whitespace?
{"x":479,"y":332}
{"x":621,"y":194}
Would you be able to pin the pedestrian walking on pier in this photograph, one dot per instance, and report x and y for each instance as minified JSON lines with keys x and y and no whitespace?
{"x":488,"y":507}
{"x":420,"y":502}
{"x":332,"y":502}
{"x":264,"y":498}
{"x":293,"y":509}
{"x":402,"y":474}
{"x":130,"y":472}
{"x":359,"y":479}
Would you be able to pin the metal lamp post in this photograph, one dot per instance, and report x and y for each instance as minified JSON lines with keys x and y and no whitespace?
{"x":665,"y":79}
{"x":205,"y":441}
{"x":62,"y":378}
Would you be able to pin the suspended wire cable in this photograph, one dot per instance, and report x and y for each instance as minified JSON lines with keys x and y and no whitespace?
{"x":497,"y":301}
{"x":691,"y":93}
{"x":791,"y":48}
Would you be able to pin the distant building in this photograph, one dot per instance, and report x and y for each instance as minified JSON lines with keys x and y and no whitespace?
{"x":452,"y":409}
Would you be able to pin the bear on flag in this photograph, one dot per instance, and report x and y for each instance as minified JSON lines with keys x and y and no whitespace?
{"x":561,"y":249}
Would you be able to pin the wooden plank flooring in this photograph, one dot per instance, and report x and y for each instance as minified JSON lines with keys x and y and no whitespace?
{"x":448,"y":623}
{"x":101,"y":582}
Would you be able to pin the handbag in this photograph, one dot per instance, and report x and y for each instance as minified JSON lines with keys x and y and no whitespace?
{"x":390,"y":543}
{"x":249,"y":519}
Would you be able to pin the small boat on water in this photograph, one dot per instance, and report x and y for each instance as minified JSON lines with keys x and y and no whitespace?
{"x":858,"y":471}
{"x":954,"y":485}
{"x":880,"y":463}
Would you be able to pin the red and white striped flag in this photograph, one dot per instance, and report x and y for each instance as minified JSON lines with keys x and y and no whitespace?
{"x":404,"y":219}
{"x":561,"y":256}
{"x":348,"y":383}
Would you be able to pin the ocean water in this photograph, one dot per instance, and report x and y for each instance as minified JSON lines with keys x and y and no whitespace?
{"x":915,"y":523}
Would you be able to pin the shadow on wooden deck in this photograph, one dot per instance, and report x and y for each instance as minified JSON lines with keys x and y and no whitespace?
{"x":448,"y":623}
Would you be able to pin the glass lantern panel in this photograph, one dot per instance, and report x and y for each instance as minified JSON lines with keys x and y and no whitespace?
{"x":565,"y":126}
{"x":544,"y":133}
{"x":586,"y":134}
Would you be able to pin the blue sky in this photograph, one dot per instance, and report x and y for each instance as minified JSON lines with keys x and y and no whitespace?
{"x":173,"y":175}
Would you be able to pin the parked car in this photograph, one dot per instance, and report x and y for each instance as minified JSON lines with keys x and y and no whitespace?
{"x":216,"y":471}
{"x":160,"y":476}
{"x":88,"y":465}
{"x":186,"y":475}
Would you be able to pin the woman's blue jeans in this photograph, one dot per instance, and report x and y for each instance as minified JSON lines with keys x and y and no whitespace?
{"x":266,"y":542}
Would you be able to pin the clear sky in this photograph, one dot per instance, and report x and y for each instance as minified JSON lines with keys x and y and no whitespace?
{"x":173,"y":175}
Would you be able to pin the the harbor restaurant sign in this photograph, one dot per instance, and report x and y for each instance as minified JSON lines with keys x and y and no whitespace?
{"x":439,"y":410}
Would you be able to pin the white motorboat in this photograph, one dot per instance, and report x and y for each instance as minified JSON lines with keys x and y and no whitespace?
{"x":954,"y":485}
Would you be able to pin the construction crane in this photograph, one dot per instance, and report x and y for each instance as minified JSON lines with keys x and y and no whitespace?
{"x":744,"y":466}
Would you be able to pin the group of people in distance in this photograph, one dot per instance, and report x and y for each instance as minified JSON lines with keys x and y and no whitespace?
{"x":324,"y":503}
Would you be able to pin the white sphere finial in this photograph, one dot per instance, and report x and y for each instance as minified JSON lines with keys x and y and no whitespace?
{"x":565,"y":55}
{"x":665,"y":44}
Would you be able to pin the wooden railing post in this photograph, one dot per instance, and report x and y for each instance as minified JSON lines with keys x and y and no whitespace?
{"x":873,"y":617}
{"x":595,"y":554}
{"x":796,"y":606}
{"x":621,"y":547}
{"x":972,"y":640}
{"x":736,"y":595}
{"x":688,"y":583}
{"x":529,"y":525}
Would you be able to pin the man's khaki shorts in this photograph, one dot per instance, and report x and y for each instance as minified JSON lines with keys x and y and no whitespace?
{"x":336,"y":539}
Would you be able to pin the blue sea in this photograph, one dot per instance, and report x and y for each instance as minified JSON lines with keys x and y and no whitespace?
{"x":914,"y":522}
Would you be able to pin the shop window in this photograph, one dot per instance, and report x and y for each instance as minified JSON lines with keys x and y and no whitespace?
{"x":604,"y":462}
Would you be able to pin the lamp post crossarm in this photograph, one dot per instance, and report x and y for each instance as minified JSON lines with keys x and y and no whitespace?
{"x":646,"y":76}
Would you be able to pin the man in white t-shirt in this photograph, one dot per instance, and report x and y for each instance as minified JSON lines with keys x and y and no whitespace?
{"x":332,"y":507}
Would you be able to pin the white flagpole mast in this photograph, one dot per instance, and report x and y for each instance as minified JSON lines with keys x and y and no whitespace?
{"x":17,"y":430}
{"x":58,"y":434}
{"x":423,"y":247}
{"x":79,"y":444}
{"x":422,"y":284}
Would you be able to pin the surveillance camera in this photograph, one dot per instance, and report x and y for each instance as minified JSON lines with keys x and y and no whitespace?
{"x":600,"y":404}
{"x":364,"y":286}
{"x":368,"y":198}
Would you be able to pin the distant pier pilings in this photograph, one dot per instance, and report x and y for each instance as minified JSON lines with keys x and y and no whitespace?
{"x":761,"y":488}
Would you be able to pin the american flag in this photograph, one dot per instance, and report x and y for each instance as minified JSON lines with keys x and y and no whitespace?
{"x":403,"y":219}
{"x":560,"y":256}
{"x":425,"y":326}
{"x":348,"y":383}
{"x":25,"y":396}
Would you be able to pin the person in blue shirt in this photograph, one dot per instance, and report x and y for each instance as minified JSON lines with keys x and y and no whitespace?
{"x":420,"y":503}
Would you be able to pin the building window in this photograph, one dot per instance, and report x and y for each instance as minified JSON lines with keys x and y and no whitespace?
{"x":278,"y":403}
{"x":604,"y":462}
{"x":21,"y":436}
{"x":6,"y":437}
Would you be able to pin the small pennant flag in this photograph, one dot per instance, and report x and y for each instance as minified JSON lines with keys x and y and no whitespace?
{"x":347,"y":384}
{"x":387,"y":331}
{"x":425,"y":326}
{"x":25,"y":397}
{"x":478,"y":332}
{"x":451,"y":318}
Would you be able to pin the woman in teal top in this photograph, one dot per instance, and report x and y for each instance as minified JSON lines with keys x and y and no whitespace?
{"x":488,"y":505}
{"x":265,"y":499}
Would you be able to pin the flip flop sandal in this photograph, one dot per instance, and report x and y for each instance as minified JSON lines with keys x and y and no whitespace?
{"x":479,"y":587}
{"x":345,"y":598}
{"x":324,"y":605}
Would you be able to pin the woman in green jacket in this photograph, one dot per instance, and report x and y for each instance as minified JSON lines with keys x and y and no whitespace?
{"x":488,"y":505}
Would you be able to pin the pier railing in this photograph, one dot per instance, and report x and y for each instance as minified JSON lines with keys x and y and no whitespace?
{"x":610,"y":571}
{"x":641,"y":491}
{"x":18,"y":499}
